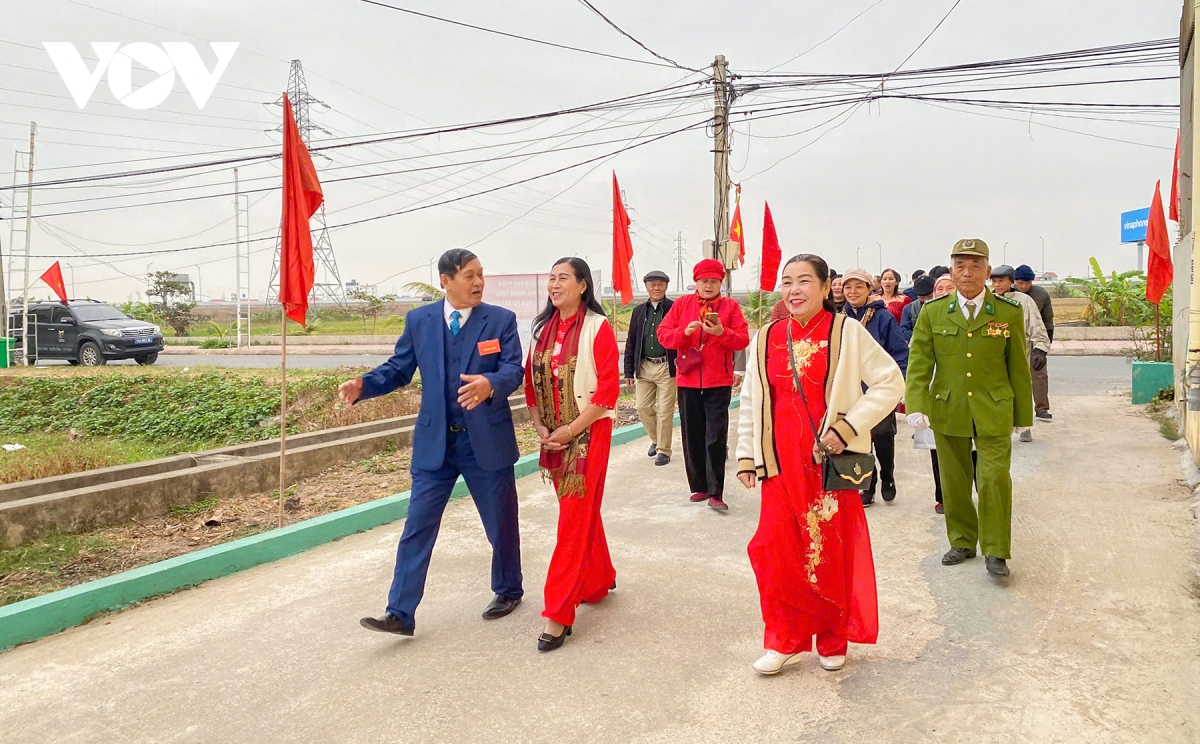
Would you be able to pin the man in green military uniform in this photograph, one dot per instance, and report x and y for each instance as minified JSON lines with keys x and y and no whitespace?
{"x":968,"y":378}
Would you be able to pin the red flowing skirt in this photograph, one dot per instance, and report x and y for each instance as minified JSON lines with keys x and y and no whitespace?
{"x":812,"y":551}
{"x":581,"y":569}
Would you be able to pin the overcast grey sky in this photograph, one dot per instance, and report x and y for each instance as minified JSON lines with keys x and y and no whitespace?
{"x":904,"y":175}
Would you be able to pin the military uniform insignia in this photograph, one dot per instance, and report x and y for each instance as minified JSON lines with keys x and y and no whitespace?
{"x":998,"y":329}
{"x":1009,"y":300}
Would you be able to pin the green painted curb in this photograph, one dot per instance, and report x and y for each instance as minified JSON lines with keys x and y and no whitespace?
{"x":35,"y":618}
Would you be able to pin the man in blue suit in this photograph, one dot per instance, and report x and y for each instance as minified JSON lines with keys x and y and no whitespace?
{"x":469,"y":356}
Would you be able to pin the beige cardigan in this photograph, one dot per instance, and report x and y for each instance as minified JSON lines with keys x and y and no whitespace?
{"x":855,"y":359}
{"x":586,"y":377}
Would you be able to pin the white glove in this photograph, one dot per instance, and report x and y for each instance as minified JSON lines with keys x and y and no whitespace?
{"x":918,"y":421}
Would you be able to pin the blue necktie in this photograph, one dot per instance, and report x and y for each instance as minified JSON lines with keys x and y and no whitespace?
{"x":455,"y":325}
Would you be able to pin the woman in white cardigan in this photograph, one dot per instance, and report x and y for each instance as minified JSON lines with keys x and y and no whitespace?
{"x":572,"y":383}
{"x":812,"y":552}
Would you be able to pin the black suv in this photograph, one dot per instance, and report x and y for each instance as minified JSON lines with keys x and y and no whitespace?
{"x":86,"y":332}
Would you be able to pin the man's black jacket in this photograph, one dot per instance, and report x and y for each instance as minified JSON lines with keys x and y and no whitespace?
{"x":633,"y":343}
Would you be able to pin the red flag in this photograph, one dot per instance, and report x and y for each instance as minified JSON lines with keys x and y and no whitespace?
{"x":1159,"y":271}
{"x":301,"y":198}
{"x":622,"y":247}
{"x":1174,"y":215}
{"x":771,"y":254}
{"x":735,"y":228}
{"x":53,"y":277}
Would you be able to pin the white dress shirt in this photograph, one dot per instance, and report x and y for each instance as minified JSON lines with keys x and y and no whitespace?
{"x":464,"y":313}
{"x":978,"y":300}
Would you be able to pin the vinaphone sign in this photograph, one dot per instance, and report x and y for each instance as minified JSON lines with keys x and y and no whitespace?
{"x":167,"y":59}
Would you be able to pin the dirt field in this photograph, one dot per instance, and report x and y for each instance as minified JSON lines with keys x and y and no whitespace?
{"x":59,"y":561}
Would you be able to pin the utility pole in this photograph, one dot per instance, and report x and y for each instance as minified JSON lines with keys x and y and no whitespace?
{"x":241,"y":245}
{"x":679,"y":259}
{"x":28,"y":231}
{"x":722,"y":97}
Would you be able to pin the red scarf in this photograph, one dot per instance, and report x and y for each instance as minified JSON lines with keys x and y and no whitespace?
{"x":554,"y":390}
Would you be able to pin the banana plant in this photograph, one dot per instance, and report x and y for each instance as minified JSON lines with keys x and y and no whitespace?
{"x":1116,"y":298}
{"x":421,"y":289}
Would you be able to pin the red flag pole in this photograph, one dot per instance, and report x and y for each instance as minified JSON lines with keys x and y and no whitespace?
{"x":282,"y":403}
{"x":1158,"y":330}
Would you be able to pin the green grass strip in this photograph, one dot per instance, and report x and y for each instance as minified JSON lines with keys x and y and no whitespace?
{"x":38,"y":617}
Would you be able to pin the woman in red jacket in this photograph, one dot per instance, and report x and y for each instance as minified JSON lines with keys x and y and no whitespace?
{"x":705,"y":328}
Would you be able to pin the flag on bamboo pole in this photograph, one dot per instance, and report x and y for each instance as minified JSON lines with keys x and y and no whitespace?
{"x":736,"y":233}
{"x":53,"y":276}
{"x":622,"y":247}
{"x":771,"y":254}
{"x":1159,"y":270}
{"x":301,"y":197}
{"x":1174,"y":206}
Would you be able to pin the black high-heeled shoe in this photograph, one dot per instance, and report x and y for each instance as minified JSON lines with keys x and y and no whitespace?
{"x":547,"y":642}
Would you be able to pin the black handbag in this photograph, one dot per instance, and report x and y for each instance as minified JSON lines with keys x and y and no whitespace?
{"x":849,"y":471}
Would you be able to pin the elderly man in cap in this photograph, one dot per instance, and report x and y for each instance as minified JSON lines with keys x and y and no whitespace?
{"x":968,"y":378}
{"x":923,"y":287}
{"x":706,"y":329}
{"x":1035,"y":331}
{"x":1041,"y":379}
{"x":650,"y":367}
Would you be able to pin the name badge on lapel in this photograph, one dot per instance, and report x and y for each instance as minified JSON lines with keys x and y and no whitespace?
{"x":489,"y":347}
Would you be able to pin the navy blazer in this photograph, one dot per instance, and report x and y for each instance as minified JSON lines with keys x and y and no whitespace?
{"x":422,"y":347}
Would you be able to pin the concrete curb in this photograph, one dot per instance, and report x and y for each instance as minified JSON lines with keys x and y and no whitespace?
{"x":36,"y":618}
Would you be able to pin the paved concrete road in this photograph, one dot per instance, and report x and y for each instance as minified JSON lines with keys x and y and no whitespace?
{"x":1096,"y":638}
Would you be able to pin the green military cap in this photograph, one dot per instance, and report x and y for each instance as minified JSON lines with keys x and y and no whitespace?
{"x":970,"y":247}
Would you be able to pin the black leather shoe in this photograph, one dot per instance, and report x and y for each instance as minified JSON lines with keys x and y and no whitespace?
{"x":889,"y":492}
{"x":996,"y":566}
{"x":653,"y":451}
{"x":389,"y":623}
{"x":955,"y":556}
{"x":868,"y":498}
{"x":662,"y":459}
{"x":547,"y":642}
{"x":500,"y":607}
{"x":1045,"y":416}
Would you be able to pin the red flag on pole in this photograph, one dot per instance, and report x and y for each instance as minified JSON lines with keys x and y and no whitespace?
{"x":301,"y":198}
{"x":622,"y":247}
{"x":1174,"y":207}
{"x":1159,"y":270}
{"x":53,"y":277}
{"x":736,"y":232}
{"x":771,"y":255}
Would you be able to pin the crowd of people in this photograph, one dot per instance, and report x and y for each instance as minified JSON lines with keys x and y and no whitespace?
{"x":822,"y":384}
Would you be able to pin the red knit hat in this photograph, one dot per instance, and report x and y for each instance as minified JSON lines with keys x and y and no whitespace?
{"x":709,"y":268}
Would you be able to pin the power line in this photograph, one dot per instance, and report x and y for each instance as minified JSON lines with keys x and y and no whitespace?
{"x":927,"y":36}
{"x":629,"y":146}
{"x":516,"y":36}
{"x":639,"y":99}
{"x":827,"y":38}
{"x":627,"y":35}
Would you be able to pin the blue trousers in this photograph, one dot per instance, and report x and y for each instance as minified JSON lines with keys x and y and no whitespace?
{"x":495,"y":496}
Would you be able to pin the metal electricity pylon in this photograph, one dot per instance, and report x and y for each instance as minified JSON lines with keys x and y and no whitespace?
{"x":327,"y":282}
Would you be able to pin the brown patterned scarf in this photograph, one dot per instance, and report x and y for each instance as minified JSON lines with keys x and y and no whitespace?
{"x":567,"y":468}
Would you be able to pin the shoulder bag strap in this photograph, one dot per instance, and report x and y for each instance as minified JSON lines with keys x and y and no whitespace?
{"x":799,"y":387}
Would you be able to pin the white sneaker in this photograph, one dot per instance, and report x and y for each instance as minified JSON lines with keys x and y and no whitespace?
{"x":832,"y":663}
{"x":773,"y":662}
